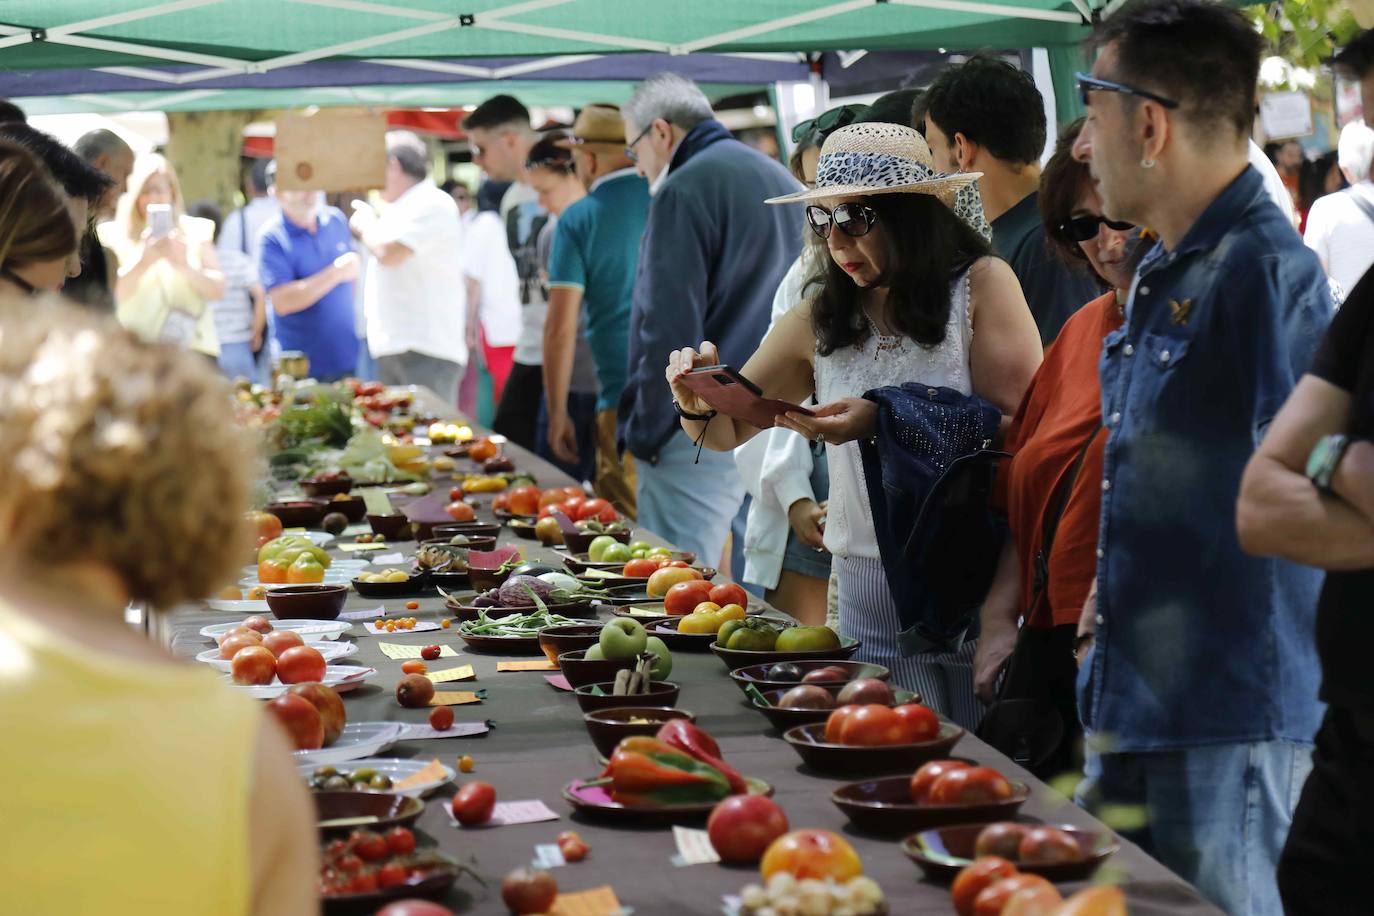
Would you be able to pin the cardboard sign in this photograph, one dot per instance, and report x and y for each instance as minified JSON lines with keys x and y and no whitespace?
{"x":331,"y":150}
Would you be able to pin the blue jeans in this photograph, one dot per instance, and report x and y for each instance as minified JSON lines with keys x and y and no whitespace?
{"x":582,"y":412}
{"x":1216,"y":815}
{"x":236,"y":361}
{"x":692,"y":505}
{"x":367,"y":367}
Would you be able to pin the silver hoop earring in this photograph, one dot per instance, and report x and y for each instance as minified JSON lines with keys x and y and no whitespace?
{"x":1147,"y":163}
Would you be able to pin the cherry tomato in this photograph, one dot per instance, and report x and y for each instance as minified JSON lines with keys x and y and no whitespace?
{"x":390,"y":875}
{"x":474,"y":803}
{"x":572,"y":846}
{"x":401,"y":841}
{"x":369,"y":845}
{"x":455,"y":494}
{"x":414,"y":606}
{"x":441,"y":719}
{"x":460,"y":511}
{"x":349,"y":863}
{"x":466,"y":764}
{"x":430,"y":653}
{"x":364,"y":883}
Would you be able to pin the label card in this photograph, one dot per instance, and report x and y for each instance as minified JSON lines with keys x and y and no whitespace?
{"x":507,"y":814}
{"x":457,"y":697}
{"x":432,"y":771}
{"x":388,"y":559}
{"x":461,"y":673}
{"x":559,"y":682}
{"x":693,"y":847}
{"x":372,"y":614}
{"x":548,"y":855}
{"x":599,"y":901}
{"x":377,"y":502}
{"x":424,"y":732}
{"x":539,"y":664}
{"x":396,"y":650}
{"x":352,"y":548}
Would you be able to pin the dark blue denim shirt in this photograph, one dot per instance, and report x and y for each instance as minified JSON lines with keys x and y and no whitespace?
{"x":1199,"y":643}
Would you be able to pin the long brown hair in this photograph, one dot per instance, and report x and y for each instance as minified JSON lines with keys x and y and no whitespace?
{"x":35,"y":224}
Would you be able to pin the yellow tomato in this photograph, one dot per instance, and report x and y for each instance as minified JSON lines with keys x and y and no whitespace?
{"x":730,"y":612}
{"x":706,"y":607}
{"x":700,"y":622}
{"x":484,"y":484}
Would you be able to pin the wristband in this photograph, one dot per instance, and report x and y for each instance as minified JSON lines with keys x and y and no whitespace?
{"x":1326,"y":456}
{"x":686,"y":415}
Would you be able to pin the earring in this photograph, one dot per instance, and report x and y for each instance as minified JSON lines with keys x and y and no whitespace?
{"x":1147,"y":163}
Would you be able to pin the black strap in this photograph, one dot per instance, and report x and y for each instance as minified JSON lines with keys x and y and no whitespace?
{"x":1362,"y":202}
{"x":1050,"y":525}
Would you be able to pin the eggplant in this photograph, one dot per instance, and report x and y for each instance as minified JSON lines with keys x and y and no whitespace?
{"x":535,"y":569}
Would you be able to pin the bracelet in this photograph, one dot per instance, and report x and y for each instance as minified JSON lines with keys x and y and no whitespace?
{"x":686,"y":415}
{"x":1325,"y":457}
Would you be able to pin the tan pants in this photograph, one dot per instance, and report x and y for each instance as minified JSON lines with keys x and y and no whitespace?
{"x":615,"y":472}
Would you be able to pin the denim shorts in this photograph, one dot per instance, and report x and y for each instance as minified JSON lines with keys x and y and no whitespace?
{"x":803,"y":558}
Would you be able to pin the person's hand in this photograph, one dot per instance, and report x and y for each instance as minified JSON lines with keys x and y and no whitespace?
{"x":807,"y":519}
{"x":682,"y":361}
{"x":346,"y":266}
{"x":1081,"y":653}
{"x":173,"y":247}
{"x":562,"y":437}
{"x":362,"y":219}
{"x":839,"y":421}
{"x":995,"y":644}
{"x":257,"y":340}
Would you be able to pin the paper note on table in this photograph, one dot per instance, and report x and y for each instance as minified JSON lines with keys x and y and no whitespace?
{"x":377,"y":501}
{"x":599,"y":901}
{"x":351,"y":548}
{"x":372,"y":614}
{"x":432,"y":771}
{"x":457,"y":697}
{"x":396,"y":650}
{"x":548,"y":855}
{"x":421,"y":626}
{"x":693,"y":847}
{"x":426,"y":732}
{"x":559,"y":682}
{"x":507,"y":814}
{"x":646,"y":612}
{"x":534,"y":664}
{"x":461,"y":673}
{"x":387,"y":559}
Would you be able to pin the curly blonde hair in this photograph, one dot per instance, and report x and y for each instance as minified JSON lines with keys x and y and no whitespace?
{"x":121,"y":453}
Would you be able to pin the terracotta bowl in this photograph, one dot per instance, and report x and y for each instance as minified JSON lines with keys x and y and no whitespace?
{"x":326,"y":487}
{"x":352,"y":508}
{"x":581,"y":542}
{"x":307,"y":602}
{"x":568,"y":638}
{"x":661,"y":693}
{"x":845,"y":759}
{"x":741,"y":658}
{"x":390,"y":809}
{"x":447,"y":530}
{"x":758,"y":675}
{"x":580,"y":672}
{"x":608,"y":726}
{"x":485,"y":579}
{"x":299,"y":513}
{"x":783,"y":718}
{"x":944,"y":851}
{"x":393,"y":527}
{"x":885,"y":806}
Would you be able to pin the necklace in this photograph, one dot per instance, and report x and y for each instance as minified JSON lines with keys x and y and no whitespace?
{"x":886,"y":342}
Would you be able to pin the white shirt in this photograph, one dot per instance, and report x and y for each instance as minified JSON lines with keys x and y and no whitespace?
{"x":420,"y":305}
{"x":1341,"y":235}
{"x":486,"y":258}
{"x":1273,"y":184}
{"x":242,"y":229}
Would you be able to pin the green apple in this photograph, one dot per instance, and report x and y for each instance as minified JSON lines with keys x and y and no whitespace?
{"x":623,"y":638}
{"x":593,"y":654}
{"x":598,"y":546}
{"x":663,"y":664}
{"x":616,"y":553}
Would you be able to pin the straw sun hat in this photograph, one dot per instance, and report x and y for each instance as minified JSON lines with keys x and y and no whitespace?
{"x":598,"y":129}
{"x":876,"y":158}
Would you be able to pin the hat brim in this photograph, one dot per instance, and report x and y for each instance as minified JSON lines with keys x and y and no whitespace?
{"x":590,"y":146}
{"x":944,"y":187}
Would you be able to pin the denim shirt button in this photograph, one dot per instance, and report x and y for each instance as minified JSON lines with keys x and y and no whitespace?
{"x":1164,"y":356}
{"x":1129,"y":350}
{"x":1144,"y":291}
{"x":1115,"y":418}
{"x":1101,"y":620}
{"x":1101,"y":553}
{"x":1106,"y":485}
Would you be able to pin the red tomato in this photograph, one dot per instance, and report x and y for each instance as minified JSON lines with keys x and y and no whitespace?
{"x":571,"y":508}
{"x":742,"y":827}
{"x":253,"y":666}
{"x":411,"y":907}
{"x":441,"y":719}
{"x":925,"y":777}
{"x":970,"y":786}
{"x":598,"y":509}
{"x":460,"y":511}
{"x":873,"y":726}
{"x":993,"y":898}
{"x":834,"y":725}
{"x":390,"y":875}
{"x":729,"y":593}
{"x":369,"y":845}
{"x":501,"y":501}
{"x":573,"y":492}
{"x":811,"y":854}
{"x":1048,"y":846}
{"x":572,"y":846}
{"x":350,"y":863}
{"x":551,"y":497}
{"x":641,"y":568}
{"x":922,"y":720}
{"x":455,"y":494}
{"x":278,"y":641}
{"x":301,"y":720}
{"x":259,"y":624}
{"x":683,"y":597}
{"x":300,"y":664}
{"x":474,"y":803}
{"x":972,"y":879}
{"x":525,"y":500}
{"x":265,"y":525}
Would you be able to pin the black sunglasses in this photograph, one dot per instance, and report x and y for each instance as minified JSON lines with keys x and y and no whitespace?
{"x":630,"y":153}
{"x":1083,"y":228}
{"x":824,"y":123}
{"x":28,"y":288}
{"x":1088,"y":84}
{"x":853,"y":220}
{"x":550,"y":163}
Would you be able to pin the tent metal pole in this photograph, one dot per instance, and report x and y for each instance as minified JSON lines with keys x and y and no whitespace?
{"x":758,"y":28}
{"x":995,"y":9}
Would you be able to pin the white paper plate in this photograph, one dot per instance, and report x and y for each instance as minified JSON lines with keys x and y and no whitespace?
{"x":330,"y":651}
{"x":311,"y":630}
{"x":319,"y":538}
{"x":395,"y":768}
{"x":238,"y":606}
{"x":335,"y":564}
{"x":359,"y":739}
{"x":331,"y":577}
{"x":342,"y":678}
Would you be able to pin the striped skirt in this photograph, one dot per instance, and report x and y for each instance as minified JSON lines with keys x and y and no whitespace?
{"x":868,"y":613}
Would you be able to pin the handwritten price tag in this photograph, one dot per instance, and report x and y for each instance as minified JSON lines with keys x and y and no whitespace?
{"x":396,"y":650}
{"x":599,"y":901}
{"x":540,"y":664}
{"x":507,"y":814}
{"x":693,"y":847}
{"x":457,"y":697}
{"x":424,"y":732}
{"x":461,"y":673}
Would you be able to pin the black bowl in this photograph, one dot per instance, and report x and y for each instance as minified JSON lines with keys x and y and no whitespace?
{"x":758,"y":674}
{"x":568,"y":638}
{"x":471,"y":529}
{"x":741,"y":658}
{"x":299,"y":513}
{"x":352,"y":508}
{"x":582,"y":540}
{"x":417,"y":584}
{"x":885,"y":806}
{"x":308,"y":602}
{"x":393,"y":527}
{"x":942,"y":852}
{"x":486,"y":579}
{"x":326,"y":487}
{"x":784,"y":718}
{"x":661,"y":693}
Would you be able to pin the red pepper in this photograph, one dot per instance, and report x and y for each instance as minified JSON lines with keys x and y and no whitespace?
{"x":645,"y":771}
{"x":686,"y":737}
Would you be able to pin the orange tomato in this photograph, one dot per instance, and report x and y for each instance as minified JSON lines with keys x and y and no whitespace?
{"x":666,"y":578}
{"x":482,"y":449}
{"x":501,"y":502}
{"x":816,"y":854}
{"x":551,"y":497}
{"x":524,"y":500}
{"x":265,"y":526}
{"x":414,"y":667}
{"x":972,"y":879}
{"x":271,"y":572}
{"x":460,"y":512}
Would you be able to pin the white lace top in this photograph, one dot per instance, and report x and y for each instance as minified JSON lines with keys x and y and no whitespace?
{"x":852,"y":371}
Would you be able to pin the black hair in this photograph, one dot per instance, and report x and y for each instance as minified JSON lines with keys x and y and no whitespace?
{"x":12,"y":112}
{"x":206,"y":209}
{"x":497,"y":111}
{"x":991,"y":103}
{"x":1357,"y":57}
{"x":257,"y":175}
{"x":893,"y":108}
{"x":1312,"y":178}
{"x":489,"y":195}
{"x":547,"y":154}
{"x":1202,"y":54}
{"x":77,"y":177}
{"x":451,"y":184}
{"x":927,"y":247}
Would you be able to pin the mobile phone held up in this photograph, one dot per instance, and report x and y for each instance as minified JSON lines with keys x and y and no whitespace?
{"x":732,"y":394}
{"x":159,"y":220}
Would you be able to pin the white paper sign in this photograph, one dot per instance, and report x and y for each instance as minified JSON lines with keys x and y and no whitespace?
{"x":1286,"y":114}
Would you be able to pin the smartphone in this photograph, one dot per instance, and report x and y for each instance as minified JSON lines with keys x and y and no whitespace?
{"x":159,"y":220}
{"x":730,"y":393}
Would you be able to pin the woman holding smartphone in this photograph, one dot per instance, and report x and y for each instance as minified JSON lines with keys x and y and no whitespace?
{"x":910,"y":293}
{"x":168,"y":270}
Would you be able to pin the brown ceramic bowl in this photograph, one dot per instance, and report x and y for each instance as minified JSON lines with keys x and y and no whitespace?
{"x":784,"y":718}
{"x":581,"y":542}
{"x":486,"y":579}
{"x":471,"y":529}
{"x":393,"y":527}
{"x":758,"y":675}
{"x":944,"y":851}
{"x":582,"y":672}
{"x":417,"y":584}
{"x":299,"y":513}
{"x":855,"y":760}
{"x":307,"y":602}
{"x":661,"y":693}
{"x":523,"y":529}
{"x":351,"y":507}
{"x":742,"y":658}
{"x":666,"y":630}
{"x":389,"y":809}
{"x":313,"y":486}
{"x":581,"y":562}
{"x":608,"y":726}
{"x":885,"y":806}
{"x":475,"y":542}
{"x":568,"y":638}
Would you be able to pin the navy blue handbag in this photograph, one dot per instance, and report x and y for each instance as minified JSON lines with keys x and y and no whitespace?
{"x":929,"y":471}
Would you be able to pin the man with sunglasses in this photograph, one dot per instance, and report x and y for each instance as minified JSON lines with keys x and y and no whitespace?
{"x":1198,"y":678}
{"x":986,"y":116}
{"x":712,"y":256}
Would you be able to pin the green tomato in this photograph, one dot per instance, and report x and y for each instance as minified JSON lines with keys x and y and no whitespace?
{"x":660,"y":552}
{"x":596,"y":550}
{"x":638,"y":554}
{"x":640,"y":545}
{"x":616,"y":553}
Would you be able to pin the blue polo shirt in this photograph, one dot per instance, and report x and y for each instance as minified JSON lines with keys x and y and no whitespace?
{"x":324,"y":331}
{"x":596,"y":250}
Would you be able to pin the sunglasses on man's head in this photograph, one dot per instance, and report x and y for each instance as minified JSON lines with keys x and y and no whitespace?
{"x":1084,"y":228}
{"x":1087,"y":84}
{"x":853,"y":220}
{"x":830,"y":120}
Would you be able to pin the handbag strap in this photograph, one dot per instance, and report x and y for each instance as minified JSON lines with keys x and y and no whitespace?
{"x":1362,"y":202}
{"x":1050,"y":525}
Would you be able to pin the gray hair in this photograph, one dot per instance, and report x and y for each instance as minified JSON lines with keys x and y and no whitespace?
{"x":100,"y":142}
{"x":1355,"y":151}
{"x":410,"y":153}
{"x":671,"y":97}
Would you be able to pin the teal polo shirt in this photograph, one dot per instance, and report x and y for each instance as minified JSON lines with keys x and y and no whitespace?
{"x":596,"y":250}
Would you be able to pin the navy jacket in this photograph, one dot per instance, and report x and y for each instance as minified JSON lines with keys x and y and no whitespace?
{"x":712,"y":257}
